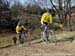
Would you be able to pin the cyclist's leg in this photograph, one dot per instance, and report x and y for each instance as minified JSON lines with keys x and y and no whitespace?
{"x":25,"y":37}
{"x":43,"y":33}
{"x":46,"y":33}
{"x":43,"y":36}
{"x":20,"y":37}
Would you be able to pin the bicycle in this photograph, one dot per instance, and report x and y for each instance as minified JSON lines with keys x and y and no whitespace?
{"x":22,"y":37}
{"x":48,"y":35}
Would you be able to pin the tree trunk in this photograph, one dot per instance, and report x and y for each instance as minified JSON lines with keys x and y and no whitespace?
{"x":60,"y":11}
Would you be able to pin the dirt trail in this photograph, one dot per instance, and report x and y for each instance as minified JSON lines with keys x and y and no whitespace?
{"x":40,"y":49}
{"x":63,"y":48}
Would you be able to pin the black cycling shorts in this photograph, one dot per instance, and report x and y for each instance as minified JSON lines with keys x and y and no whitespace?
{"x":45,"y":23}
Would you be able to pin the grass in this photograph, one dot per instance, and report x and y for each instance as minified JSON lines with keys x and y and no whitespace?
{"x":6,"y":39}
{"x":65,"y":34}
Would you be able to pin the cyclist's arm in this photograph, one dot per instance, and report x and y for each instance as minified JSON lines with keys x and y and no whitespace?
{"x":17,"y":29}
{"x":24,"y":28}
{"x":50,"y":19}
{"x":42,"y":19}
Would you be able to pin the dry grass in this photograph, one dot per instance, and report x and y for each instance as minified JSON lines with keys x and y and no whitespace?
{"x":65,"y":34}
{"x":6,"y":39}
{"x":61,"y":49}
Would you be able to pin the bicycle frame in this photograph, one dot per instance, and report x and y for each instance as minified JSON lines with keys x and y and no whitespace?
{"x":45,"y":33}
{"x":22,"y":37}
{"x":49,"y":35}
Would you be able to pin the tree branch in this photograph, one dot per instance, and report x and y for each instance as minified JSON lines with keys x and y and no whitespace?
{"x":53,"y":4}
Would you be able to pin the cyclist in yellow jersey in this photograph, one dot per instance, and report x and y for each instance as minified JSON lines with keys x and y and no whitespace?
{"x":21,"y":29}
{"x":45,"y":19}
